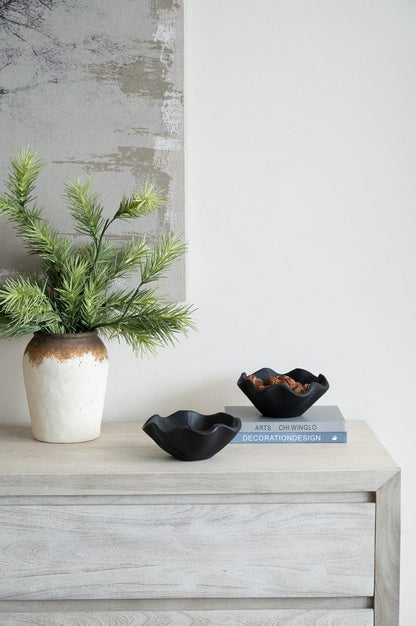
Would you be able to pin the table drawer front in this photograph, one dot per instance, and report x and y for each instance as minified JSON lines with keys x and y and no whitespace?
{"x":184,"y":551}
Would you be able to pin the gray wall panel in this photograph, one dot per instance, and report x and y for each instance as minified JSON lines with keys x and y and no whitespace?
{"x":97,"y":86}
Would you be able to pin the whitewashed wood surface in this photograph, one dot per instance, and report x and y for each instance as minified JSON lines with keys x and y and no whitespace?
{"x":284,"y":617}
{"x":160,"y":551}
{"x":387,"y":564}
{"x":124,"y":460}
{"x":53,"y":498}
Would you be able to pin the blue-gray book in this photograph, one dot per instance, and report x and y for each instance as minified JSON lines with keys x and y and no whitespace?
{"x":325,"y":419}
{"x":253,"y":437}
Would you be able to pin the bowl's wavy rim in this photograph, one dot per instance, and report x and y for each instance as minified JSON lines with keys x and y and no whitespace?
{"x":156,"y":420}
{"x":320,"y":384}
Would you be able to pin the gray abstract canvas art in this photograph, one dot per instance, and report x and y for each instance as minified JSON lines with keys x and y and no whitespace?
{"x":97,"y":87}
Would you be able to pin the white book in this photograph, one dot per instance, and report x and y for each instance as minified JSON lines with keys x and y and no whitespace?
{"x":316,"y":419}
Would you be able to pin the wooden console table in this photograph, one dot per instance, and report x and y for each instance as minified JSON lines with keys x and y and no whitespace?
{"x":114,"y":531}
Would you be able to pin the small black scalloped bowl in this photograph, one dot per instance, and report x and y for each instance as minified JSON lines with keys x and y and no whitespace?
{"x":191,"y":436}
{"x":279,"y":400}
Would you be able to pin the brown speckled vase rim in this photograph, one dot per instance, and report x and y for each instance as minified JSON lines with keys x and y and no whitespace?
{"x":65,"y":346}
{"x":89,"y":333}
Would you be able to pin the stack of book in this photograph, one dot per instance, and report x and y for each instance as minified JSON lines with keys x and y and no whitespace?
{"x":320,"y":424}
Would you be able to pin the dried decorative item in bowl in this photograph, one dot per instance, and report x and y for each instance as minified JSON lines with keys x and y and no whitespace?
{"x":283,"y":395}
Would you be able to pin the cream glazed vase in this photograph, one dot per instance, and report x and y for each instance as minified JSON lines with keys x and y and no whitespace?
{"x":65,"y":378}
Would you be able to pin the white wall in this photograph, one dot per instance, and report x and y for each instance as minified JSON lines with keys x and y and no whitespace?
{"x":301,"y":137}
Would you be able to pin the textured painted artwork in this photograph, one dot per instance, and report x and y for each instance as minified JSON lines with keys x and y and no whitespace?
{"x":97,"y":87}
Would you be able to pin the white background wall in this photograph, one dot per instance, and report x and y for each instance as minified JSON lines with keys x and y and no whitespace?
{"x":301,"y":150}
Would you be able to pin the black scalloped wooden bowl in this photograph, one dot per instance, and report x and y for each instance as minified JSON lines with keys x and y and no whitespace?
{"x":191,"y":436}
{"x":279,"y":400}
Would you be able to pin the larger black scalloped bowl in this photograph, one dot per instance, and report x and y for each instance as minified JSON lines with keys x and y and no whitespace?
{"x":191,"y":436}
{"x":280,"y":400}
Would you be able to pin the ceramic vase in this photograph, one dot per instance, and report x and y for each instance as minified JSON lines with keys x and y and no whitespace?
{"x":65,"y":378}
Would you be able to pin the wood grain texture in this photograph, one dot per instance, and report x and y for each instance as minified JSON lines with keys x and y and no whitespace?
{"x":125,"y":461}
{"x":166,"y":542}
{"x":284,"y":617}
{"x":387,"y":561}
{"x":165,"y":551}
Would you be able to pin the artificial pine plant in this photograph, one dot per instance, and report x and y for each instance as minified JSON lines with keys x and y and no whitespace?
{"x":75,"y":292}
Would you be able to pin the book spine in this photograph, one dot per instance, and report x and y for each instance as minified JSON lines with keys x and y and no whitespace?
{"x":323,"y":437}
{"x":277,"y":426}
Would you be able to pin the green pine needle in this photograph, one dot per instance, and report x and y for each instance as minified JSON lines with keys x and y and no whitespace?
{"x":26,"y":305}
{"x":85,"y":207}
{"x":161,"y":257}
{"x":77,"y":291}
{"x":153,"y":327}
{"x":130,"y":257}
{"x":69,"y":293}
{"x":145,"y":200}
{"x":23,"y":172}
